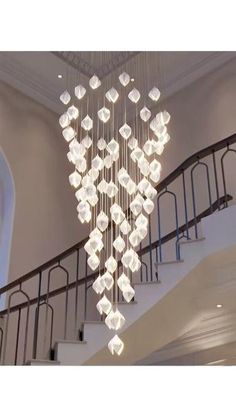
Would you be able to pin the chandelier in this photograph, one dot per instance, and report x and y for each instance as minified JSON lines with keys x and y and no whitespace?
{"x":115,"y":169}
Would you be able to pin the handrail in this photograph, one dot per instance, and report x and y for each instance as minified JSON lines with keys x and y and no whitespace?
{"x":140,"y":252}
{"x":161,"y":186}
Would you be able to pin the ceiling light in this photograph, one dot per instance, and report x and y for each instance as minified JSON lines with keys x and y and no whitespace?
{"x":59,"y":76}
{"x":100,"y":182}
{"x":219,"y":305}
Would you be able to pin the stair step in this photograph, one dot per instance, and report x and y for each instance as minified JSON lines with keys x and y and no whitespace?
{"x":42,"y":362}
{"x":192,"y":241}
{"x":169,"y":262}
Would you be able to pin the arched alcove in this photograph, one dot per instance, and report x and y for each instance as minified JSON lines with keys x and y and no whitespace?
{"x":7,"y":207}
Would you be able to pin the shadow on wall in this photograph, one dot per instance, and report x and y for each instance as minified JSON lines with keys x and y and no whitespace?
{"x":7,"y":208}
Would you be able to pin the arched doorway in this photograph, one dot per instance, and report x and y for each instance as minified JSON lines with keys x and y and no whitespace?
{"x":7,"y":207}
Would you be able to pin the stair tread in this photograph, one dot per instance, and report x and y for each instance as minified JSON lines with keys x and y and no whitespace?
{"x":79,"y":342}
{"x":192,"y":240}
{"x":43,"y":361}
{"x":169,"y":262}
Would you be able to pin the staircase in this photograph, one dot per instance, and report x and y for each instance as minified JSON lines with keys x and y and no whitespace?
{"x":167,"y":293}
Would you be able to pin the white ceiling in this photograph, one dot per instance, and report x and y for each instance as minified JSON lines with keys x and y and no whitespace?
{"x":35,"y":73}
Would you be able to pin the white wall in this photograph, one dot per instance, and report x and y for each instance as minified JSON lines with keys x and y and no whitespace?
{"x":45,"y":216}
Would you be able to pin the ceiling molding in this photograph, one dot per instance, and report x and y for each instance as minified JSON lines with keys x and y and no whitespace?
{"x":46,"y":92}
{"x":76,"y":61}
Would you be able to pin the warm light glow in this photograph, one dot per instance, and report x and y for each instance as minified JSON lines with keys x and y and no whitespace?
{"x":115,"y":169}
{"x":219,"y":305}
{"x":59,"y":76}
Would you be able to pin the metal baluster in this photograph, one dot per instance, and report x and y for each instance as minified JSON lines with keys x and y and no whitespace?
{"x":223,"y":173}
{"x":7,"y":324}
{"x":36,"y":323}
{"x":85,"y":289}
{"x":185,"y":204}
{"x":76,"y":294}
{"x":150,"y":244}
{"x":216,"y":179}
{"x":1,"y":341}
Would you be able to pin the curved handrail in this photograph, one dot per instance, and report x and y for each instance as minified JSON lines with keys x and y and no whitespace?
{"x":161,"y":186}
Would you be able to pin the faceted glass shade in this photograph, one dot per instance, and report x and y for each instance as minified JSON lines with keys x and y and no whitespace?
{"x":87,"y":123}
{"x":96,"y":233}
{"x":163,"y":118}
{"x":145,"y":114}
{"x":154,"y":94}
{"x":93,"y":200}
{"x":68,"y":133}
{"x":70,"y":157}
{"x":87,"y":141}
{"x":159,"y":147}
{"x":125,"y":227}
{"x":119,"y":244}
{"x":113,"y":146}
{"x":117,"y":213}
{"x":102,"y":186}
{"x":65,"y":97}
{"x":64,"y":120}
{"x":132,"y":143}
{"x":135,"y":238}
{"x":97,"y":163}
{"x":104,"y":305}
{"x":131,"y":187}
{"x":149,"y":147}
{"x":108,"y":280}
{"x":73,"y":112}
{"x":128,"y":293}
{"x":123,"y":177}
{"x":148,"y":206}
{"x":112,"y":95}
{"x":85,"y":216}
{"x":77,"y":149}
{"x":150,"y":192}
{"x":93,"y":173}
{"x":104,"y":114}
{"x":108,"y":161}
{"x":111,"y":264}
{"x":116,"y":345}
{"x":144,"y":166}
{"x":127,"y":258}
{"x":143,"y":185}
{"x":102,"y":221}
{"x":98,"y":285}
{"x":101,"y":144}
{"x":81,"y":164}
{"x":123,"y":281}
{"x":80,"y":196}
{"x":124,"y":78}
{"x":80,"y":91}
{"x":93,"y":262}
{"x":136,"y":154}
{"x":155,"y":176}
{"x":134,"y":95}
{"x":115,"y":320}
{"x":137,"y":204}
{"x":155,"y":166}
{"x":111,"y":189}
{"x":163,"y":139}
{"x":141,"y":221}
{"x":125,"y":131}
{"x":75,"y":179}
{"x":94,"y":82}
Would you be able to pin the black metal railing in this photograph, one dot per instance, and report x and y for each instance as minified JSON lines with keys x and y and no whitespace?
{"x":42,"y":314}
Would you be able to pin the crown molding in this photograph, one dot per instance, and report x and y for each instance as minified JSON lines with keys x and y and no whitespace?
{"x":76,"y":61}
{"x":45,"y":91}
{"x":30,"y":83}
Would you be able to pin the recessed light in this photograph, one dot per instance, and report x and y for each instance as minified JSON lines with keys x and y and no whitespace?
{"x":59,"y":76}
{"x":219,"y":305}
{"x":132,"y":79}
